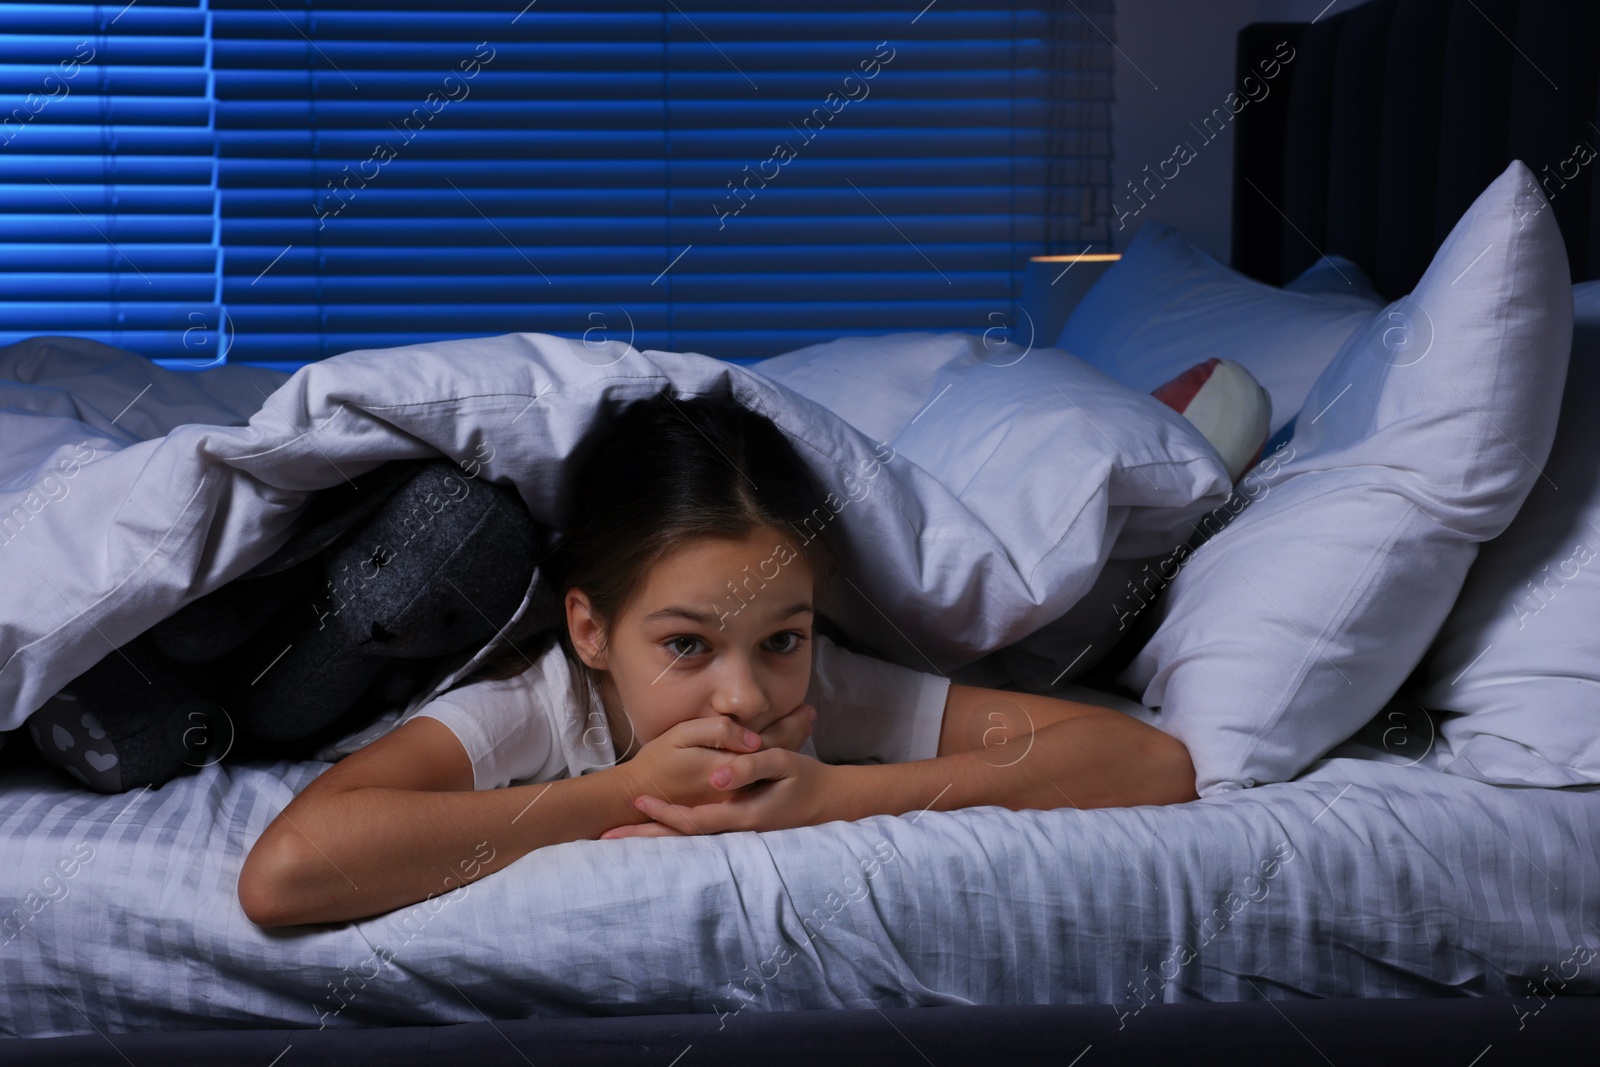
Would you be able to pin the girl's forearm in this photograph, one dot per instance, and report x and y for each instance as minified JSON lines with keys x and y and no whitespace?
{"x":365,"y":851}
{"x":1090,"y":762}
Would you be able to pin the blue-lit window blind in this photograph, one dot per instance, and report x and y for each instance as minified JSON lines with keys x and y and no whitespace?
{"x":735,"y":178}
{"x":108,"y":195}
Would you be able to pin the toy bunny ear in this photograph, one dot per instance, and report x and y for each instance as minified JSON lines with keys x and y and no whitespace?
{"x":1227,"y":405}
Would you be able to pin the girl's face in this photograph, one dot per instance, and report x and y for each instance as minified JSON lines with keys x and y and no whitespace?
{"x":719,"y":627}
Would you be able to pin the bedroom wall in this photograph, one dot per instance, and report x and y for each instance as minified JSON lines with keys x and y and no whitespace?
{"x":1173,"y":66}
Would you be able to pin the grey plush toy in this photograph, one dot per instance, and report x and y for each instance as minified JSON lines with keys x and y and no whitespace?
{"x":380,"y":579}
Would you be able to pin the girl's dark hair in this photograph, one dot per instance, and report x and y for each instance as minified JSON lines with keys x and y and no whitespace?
{"x":669,"y":472}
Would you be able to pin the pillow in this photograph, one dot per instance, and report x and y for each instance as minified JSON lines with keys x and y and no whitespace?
{"x":1062,"y":461}
{"x":1167,"y":305}
{"x":1227,"y":405}
{"x":1332,"y":276}
{"x":1335,"y":276}
{"x":1285,"y":632}
{"x":1517,"y":657}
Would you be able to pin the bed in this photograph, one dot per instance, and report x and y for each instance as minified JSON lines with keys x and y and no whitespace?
{"x":1374,"y":906}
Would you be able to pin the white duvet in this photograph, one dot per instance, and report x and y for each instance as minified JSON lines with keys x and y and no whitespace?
{"x":127,"y":490}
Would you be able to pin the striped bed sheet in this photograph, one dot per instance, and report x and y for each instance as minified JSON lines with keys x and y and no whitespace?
{"x":1362,"y":878}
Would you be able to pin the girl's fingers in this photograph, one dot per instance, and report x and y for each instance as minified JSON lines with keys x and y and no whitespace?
{"x":705,"y":819}
{"x":751,"y":767}
{"x":645,"y":829}
{"x":663,"y":813}
{"x":718,"y":731}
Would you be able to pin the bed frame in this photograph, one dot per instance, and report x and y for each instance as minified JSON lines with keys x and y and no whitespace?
{"x":1393,"y":116}
{"x":1344,"y":1032}
{"x":1389,"y":120}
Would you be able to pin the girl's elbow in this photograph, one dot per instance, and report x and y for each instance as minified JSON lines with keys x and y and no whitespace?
{"x":265,"y":881}
{"x":1173,"y":769}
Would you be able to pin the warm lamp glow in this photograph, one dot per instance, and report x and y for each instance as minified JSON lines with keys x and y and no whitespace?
{"x":1079,"y":257}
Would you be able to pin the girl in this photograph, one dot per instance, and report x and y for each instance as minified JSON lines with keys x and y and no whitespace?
{"x":693,"y":690}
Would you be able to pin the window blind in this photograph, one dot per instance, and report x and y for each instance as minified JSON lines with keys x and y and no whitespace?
{"x":108,"y":195}
{"x":738,"y":179}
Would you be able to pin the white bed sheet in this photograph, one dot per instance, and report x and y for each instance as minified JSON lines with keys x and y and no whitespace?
{"x":1361,"y":879}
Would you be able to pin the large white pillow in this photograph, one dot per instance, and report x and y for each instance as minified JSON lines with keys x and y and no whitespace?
{"x":1285,"y":632}
{"x":1067,"y":465}
{"x":1519,"y":655}
{"x":1167,"y":305}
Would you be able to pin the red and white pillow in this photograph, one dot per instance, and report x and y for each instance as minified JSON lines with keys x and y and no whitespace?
{"x":1227,"y":405}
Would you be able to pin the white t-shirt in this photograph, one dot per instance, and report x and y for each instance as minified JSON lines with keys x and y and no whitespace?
{"x":530,"y":727}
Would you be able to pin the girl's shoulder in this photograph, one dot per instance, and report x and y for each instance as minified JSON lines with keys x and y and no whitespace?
{"x":871,"y":708}
{"x":521,"y":727}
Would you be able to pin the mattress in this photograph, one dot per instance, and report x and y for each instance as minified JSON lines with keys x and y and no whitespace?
{"x":1365,"y":877}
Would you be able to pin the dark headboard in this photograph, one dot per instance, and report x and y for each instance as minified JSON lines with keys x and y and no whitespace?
{"x":1393,"y":116}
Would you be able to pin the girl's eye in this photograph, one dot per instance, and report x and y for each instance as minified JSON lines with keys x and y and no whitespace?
{"x":790,"y":649}
{"x":685,"y":645}
{"x":676,"y":645}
